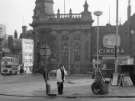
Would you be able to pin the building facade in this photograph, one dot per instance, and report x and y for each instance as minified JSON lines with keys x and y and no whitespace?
{"x":67,"y":35}
{"x":70,"y":38}
{"x":2,"y":37}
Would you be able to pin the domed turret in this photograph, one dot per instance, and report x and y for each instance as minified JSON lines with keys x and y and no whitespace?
{"x":48,"y":7}
{"x":86,"y":6}
{"x":43,"y":7}
{"x":86,"y":15}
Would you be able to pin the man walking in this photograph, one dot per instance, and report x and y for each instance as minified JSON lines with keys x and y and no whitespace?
{"x":45,"y":76}
{"x":60,"y":76}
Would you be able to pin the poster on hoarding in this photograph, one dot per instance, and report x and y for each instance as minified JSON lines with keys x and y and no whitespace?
{"x":109,"y":41}
{"x":27,"y":54}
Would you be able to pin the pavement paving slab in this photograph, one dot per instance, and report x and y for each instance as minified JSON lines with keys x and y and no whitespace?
{"x":35,"y":86}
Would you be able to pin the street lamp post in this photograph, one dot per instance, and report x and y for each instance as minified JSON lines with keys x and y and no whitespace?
{"x":45,"y":52}
{"x":69,"y":64}
{"x":97,"y":13}
{"x":117,"y":31}
{"x":98,"y":86}
{"x":115,"y":75}
{"x":132,"y":32}
{"x":1,"y":52}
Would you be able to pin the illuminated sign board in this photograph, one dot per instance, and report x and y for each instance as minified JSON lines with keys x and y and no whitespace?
{"x":27,"y":53}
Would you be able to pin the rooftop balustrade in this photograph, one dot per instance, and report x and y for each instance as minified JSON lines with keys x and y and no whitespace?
{"x":60,"y":18}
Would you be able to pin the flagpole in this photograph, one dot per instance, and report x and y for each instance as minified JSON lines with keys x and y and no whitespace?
{"x":117,"y":31}
{"x":64,"y":7}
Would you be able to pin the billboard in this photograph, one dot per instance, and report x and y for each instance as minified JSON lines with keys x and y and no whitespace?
{"x":27,"y":54}
{"x":109,"y":41}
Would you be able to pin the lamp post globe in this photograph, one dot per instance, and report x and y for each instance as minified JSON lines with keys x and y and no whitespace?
{"x":97,"y":13}
{"x":132,"y":32}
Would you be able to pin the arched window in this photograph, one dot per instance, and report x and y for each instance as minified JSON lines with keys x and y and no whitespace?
{"x":65,"y":49}
{"x":77,"y":37}
{"x":77,"y":52}
{"x":86,"y":50}
{"x":65,"y":37}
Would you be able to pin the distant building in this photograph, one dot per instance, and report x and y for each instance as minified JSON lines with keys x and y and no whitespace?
{"x":26,"y":34}
{"x":27,"y":54}
{"x":2,"y":37}
{"x":2,"y":31}
{"x":27,"y":41}
{"x":11,"y":46}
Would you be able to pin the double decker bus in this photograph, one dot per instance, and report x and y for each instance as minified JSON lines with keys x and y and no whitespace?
{"x":9,"y":65}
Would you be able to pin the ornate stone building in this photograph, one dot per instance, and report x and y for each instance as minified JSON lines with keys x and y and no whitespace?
{"x":72,"y":38}
{"x":67,"y":35}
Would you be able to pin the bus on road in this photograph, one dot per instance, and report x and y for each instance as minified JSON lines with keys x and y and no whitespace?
{"x":9,"y":65}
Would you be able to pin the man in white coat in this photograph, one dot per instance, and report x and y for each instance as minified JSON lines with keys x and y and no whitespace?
{"x":60,"y":76}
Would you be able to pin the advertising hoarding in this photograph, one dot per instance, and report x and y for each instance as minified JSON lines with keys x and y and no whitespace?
{"x":27,"y":54}
{"x":109,"y":41}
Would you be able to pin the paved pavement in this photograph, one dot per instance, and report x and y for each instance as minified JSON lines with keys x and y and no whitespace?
{"x":34,"y":86}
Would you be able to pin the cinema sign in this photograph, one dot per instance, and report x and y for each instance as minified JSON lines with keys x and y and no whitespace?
{"x":107,"y":51}
{"x":110,"y":51}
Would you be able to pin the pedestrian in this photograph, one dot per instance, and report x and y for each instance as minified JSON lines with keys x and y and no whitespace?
{"x":21,"y":69}
{"x":60,"y":76}
{"x":46,"y":78}
{"x":45,"y":75}
{"x":93,"y":68}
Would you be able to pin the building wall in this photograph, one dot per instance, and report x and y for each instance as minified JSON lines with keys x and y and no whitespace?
{"x":67,"y":35}
{"x":74,"y":50}
{"x":71,"y":46}
{"x":71,"y":37}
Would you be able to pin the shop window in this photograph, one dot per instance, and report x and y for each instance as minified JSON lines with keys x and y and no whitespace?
{"x":65,"y":37}
{"x":77,"y":37}
{"x":86,"y":50}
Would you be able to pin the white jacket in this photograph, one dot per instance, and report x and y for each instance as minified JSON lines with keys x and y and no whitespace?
{"x":59,"y":76}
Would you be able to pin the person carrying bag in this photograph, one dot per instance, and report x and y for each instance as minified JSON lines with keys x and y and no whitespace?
{"x":60,"y":76}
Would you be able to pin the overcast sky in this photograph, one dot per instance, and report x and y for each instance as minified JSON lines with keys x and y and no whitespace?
{"x":15,"y":13}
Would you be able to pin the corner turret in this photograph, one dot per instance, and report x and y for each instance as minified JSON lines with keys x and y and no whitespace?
{"x":86,"y":15}
{"x":86,"y":6}
{"x":129,"y":10}
{"x":43,"y":9}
